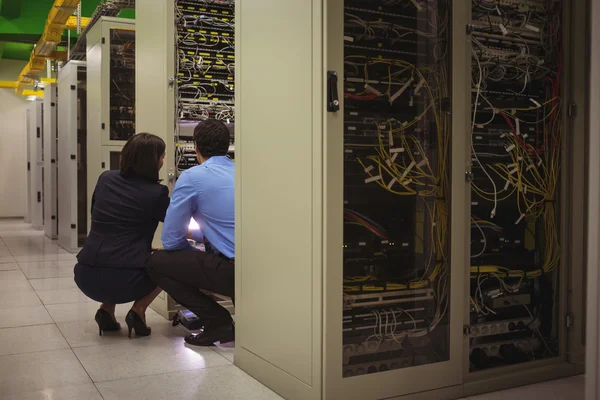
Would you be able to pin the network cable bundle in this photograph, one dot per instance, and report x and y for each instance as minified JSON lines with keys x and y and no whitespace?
{"x":516,"y":157}
{"x":205,"y":65}
{"x":122,"y":86}
{"x":396,"y":171}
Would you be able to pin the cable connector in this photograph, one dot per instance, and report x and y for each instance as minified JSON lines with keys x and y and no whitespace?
{"x":373,"y":179}
{"x":537,"y":105}
{"x":532,"y":28}
{"x":520,"y":219}
{"x":407,"y":170}
{"x":419,"y":86}
{"x":401,"y":90}
{"x":372,"y":90}
{"x":417,"y":5}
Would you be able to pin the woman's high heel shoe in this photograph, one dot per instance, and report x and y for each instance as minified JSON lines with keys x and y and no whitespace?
{"x":106,"y":322}
{"x":135,"y":322}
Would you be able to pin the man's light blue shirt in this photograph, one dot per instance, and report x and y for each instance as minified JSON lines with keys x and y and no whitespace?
{"x":206,"y":193}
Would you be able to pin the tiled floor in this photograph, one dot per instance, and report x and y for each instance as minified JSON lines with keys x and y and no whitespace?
{"x":50,"y":348}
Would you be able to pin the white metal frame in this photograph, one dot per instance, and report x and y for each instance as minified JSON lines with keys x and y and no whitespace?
{"x":593,"y":206}
{"x":107,"y":151}
{"x":155,"y":96}
{"x":68,"y":154}
{"x":98,"y":43}
{"x":50,"y":162}
{"x":98,"y":98}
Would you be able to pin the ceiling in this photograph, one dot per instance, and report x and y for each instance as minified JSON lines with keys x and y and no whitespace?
{"x":22,"y":25}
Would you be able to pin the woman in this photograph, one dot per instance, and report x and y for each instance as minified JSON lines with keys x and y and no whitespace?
{"x":126,"y":208}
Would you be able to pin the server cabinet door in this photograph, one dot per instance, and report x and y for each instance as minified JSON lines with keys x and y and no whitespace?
{"x":118,"y":70}
{"x":393,"y":325}
{"x":517,"y":128}
{"x":36,"y":155}
{"x":71,"y":154}
{"x":50,"y":162}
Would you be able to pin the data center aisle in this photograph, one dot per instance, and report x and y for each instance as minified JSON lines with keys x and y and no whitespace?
{"x":50,"y":348}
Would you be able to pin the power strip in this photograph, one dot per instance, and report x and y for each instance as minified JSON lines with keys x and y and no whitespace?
{"x":524,"y":5}
{"x":352,"y":350}
{"x":380,"y":366}
{"x":484,"y":23}
{"x":493,"y":349}
{"x":501,"y":327}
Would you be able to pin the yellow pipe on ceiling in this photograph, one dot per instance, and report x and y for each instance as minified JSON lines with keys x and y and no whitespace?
{"x":45,"y":48}
{"x":8,"y":85}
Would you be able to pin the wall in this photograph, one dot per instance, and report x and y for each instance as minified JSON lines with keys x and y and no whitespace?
{"x":13,"y":160}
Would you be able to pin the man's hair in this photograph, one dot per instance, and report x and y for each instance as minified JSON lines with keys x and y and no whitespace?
{"x":212,"y":138}
{"x":141,"y":155}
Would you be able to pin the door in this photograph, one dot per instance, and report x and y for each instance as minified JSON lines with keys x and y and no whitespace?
{"x":519,"y":245}
{"x":67,"y":154}
{"x":390,"y":183}
{"x":120,"y":56}
{"x":71,"y":155}
{"x":36,"y":163}
{"x":50,"y":163}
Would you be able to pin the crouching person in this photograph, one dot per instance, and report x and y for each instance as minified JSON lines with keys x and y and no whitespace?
{"x":206,"y":193}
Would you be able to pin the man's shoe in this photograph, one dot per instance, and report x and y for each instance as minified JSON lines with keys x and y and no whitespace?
{"x":209,"y":337}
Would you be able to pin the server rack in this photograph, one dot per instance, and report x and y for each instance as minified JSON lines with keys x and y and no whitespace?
{"x":317,"y":251}
{"x":50,"y":162}
{"x":36,"y":163}
{"x":111,"y":44}
{"x":73,"y":205}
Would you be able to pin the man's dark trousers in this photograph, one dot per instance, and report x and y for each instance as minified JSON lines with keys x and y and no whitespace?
{"x":182,"y":273}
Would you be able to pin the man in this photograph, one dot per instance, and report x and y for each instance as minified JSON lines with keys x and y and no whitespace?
{"x":206,"y":193}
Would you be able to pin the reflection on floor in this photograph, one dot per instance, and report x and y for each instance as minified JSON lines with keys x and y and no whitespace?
{"x":50,"y":348}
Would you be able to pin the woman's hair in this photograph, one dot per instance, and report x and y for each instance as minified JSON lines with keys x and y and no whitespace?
{"x":141,"y":155}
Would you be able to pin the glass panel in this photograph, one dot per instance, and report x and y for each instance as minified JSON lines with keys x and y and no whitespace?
{"x":115,"y":160}
{"x":205,"y":48}
{"x":516,"y":142}
{"x":396,"y":188}
{"x":122,"y":84}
